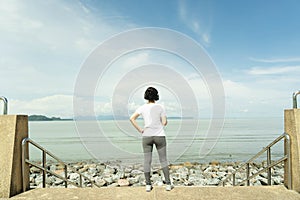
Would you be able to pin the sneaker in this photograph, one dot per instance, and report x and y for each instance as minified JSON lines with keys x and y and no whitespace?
{"x":169,"y":187}
{"x":148,"y":188}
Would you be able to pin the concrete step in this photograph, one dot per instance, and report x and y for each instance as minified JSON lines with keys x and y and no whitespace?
{"x":178,"y":193}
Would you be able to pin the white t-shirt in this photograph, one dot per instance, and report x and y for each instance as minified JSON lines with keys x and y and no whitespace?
{"x":152,"y":114}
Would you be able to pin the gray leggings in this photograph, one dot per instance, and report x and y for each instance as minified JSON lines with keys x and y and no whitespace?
{"x":160,"y":143}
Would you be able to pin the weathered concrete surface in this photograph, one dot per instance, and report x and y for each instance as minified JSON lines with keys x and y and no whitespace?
{"x":178,"y":193}
{"x":13,"y":128}
{"x":292,"y":127}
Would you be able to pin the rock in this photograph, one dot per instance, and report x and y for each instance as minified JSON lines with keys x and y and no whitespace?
{"x":115,"y":177}
{"x":110,"y":169}
{"x":214,"y":163}
{"x":221,"y":174}
{"x":133,"y":180}
{"x":128,"y":169}
{"x":52,"y":167}
{"x":74,"y":176}
{"x":84,"y":169}
{"x":183,"y":172}
{"x":114,"y":174}
{"x":92,"y":170}
{"x":214,"y":181}
{"x":262,"y":180}
{"x":208,"y":169}
{"x":187,"y":183}
{"x":100,"y":168}
{"x":35,"y":170}
{"x":188,"y":164}
{"x":113,"y":185}
{"x":123,"y":182}
{"x":195,"y":179}
{"x":175,"y":167}
{"x":31,"y":179}
{"x":58,"y":182}
{"x":264,"y":175}
{"x":121,"y":174}
{"x":108,"y":180}
{"x":39,"y":180}
{"x":99,"y":181}
{"x":136,"y":172}
{"x":50,"y":180}
{"x":277,"y":180}
{"x":77,"y":167}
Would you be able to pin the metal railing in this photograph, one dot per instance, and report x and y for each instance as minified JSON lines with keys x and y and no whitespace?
{"x":295,"y":94}
{"x":286,"y":159}
{"x":4,"y":105}
{"x":44,"y":168}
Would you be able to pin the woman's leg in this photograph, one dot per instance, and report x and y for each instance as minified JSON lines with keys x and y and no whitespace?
{"x":148,"y":148}
{"x":161,"y":146}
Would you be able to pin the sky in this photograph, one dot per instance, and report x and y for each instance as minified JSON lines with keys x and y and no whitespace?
{"x":254,"y":45}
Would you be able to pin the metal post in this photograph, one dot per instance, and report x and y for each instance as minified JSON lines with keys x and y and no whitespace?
{"x":23,"y":164}
{"x":295,"y":99}
{"x":4,"y":105}
{"x":80,"y":180}
{"x":288,"y":162}
{"x":233,"y":179}
{"x":268,"y":164}
{"x":66,"y":176}
{"x":248,"y":174}
{"x":44,"y":171}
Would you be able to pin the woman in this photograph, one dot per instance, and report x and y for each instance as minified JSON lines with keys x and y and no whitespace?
{"x":155,"y":119}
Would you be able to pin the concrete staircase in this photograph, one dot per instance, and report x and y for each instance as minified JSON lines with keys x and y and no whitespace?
{"x":178,"y":193}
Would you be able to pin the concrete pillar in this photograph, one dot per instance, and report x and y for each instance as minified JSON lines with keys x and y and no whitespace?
{"x":292,"y":127}
{"x":13,"y":128}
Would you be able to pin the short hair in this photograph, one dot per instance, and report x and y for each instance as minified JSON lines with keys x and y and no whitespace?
{"x":151,"y":94}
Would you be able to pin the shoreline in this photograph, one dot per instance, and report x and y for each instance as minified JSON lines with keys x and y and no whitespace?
{"x":118,"y":174}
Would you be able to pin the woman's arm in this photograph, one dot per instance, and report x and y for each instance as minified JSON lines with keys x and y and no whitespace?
{"x":133,"y":118}
{"x":164,"y":120}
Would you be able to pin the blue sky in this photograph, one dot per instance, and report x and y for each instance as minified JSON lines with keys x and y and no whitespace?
{"x":254,"y":44}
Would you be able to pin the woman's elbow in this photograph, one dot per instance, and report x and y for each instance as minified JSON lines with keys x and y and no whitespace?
{"x":131,"y":119}
{"x":164,"y":122}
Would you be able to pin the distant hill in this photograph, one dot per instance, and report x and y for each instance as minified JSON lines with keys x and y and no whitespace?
{"x":45,"y":118}
{"x":100,"y":117}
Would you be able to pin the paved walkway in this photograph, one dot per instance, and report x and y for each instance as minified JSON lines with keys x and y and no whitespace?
{"x":178,"y":193}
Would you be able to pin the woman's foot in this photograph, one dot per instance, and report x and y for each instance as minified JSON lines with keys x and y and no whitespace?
{"x":169,"y":187}
{"x":148,"y":188}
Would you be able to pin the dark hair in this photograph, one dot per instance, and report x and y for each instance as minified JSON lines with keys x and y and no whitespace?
{"x":151,"y":94}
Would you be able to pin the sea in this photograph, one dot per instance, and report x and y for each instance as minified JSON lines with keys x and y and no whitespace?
{"x":188,"y":140}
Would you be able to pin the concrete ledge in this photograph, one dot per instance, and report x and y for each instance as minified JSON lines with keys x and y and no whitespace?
{"x":199,"y":193}
{"x":13,"y":129}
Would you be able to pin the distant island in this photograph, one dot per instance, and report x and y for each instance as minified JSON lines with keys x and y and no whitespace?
{"x":100,"y":117}
{"x":45,"y":118}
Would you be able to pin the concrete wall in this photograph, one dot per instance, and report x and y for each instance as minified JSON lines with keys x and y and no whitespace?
{"x":13,"y":128}
{"x":292,"y":127}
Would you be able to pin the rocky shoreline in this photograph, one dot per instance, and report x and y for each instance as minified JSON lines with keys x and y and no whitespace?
{"x":116,"y":174}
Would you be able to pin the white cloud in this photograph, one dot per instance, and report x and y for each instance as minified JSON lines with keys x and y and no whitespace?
{"x":136,"y":60}
{"x":43,"y":44}
{"x":276,"y":60}
{"x":255,"y":98}
{"x":56,"y":106}
{"x":12,"y":19}
{"x":274,"y":70}
{"x":198,"y":22}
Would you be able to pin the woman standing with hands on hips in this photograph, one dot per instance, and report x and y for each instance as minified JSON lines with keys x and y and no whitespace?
{"x":153,"y":133}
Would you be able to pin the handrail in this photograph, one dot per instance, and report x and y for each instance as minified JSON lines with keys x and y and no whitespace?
{"x":295,"y":94}
{"x":267,"y":149}
{"x":5,"y":102}
{"x":44,"y":167}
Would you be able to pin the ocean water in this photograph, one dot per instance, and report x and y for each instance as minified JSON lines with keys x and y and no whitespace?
{"x":188,"y":140}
